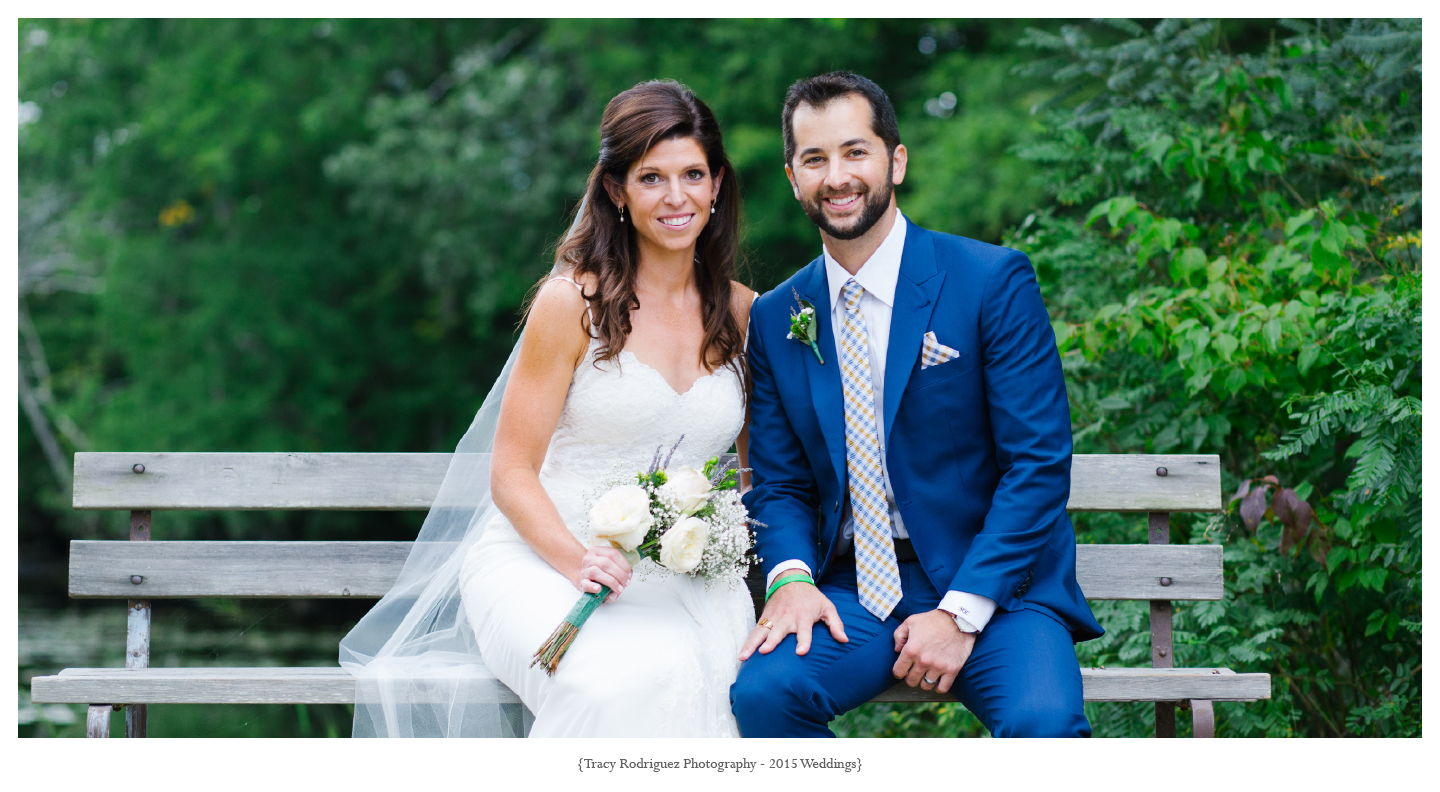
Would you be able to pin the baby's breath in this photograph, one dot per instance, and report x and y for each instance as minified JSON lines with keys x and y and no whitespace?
{"x":725,"y":558}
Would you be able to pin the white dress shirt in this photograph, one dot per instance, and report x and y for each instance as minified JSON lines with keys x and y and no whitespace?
{"x":878,"y":277}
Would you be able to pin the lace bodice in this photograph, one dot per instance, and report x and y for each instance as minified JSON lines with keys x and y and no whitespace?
{"x":619,"y":411}
{"x":616,"y":414}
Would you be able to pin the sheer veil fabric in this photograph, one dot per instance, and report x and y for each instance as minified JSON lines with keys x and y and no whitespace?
{"x":414,"y":655}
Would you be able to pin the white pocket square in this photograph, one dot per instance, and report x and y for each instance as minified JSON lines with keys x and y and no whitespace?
{"x":933,"y":353}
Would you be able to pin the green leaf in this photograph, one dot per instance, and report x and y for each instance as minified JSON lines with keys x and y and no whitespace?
{"x":1062,"y":332}
{"x":1307,"y":358}
{"x":1326,"y":262}
{"x":1235,"y":380}
{"x":1226,"y":345}
{"x":1158,"y":147}
{"x":1333,"y":236}
{"x":1271,"y":331}
{"x":1385,"y":530}
{"x":1217,"y":268}
{"x":1293,"y":224}
{"x":1186,"y":263}
{"x":1170,"y":231}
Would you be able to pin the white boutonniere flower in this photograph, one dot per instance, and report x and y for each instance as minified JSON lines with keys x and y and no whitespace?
{"x":802,"y":325}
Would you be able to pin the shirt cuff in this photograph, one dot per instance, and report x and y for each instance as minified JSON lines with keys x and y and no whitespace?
{"x":971,"y":611}
{"x":793,"y":563}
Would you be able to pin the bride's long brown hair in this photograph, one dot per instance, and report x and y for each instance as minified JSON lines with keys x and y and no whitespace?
{"x":602,"y":246}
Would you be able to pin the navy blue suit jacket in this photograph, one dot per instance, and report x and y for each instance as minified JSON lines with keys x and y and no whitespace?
{"x":978,"y":448}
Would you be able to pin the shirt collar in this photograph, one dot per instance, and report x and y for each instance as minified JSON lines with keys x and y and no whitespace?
{"x":879,"y":274}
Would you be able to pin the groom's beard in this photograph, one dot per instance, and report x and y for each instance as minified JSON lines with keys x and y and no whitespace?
{"x":875,"y":204}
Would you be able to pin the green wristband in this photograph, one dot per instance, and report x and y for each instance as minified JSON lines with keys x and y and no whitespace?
{"x":787,"y":579}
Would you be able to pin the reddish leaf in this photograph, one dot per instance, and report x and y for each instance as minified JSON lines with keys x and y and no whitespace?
{"x":1284,"y":504}
{"x":1253,"y":507}
{"x":1319,"y":543}
{"x":1240,"y":491}
{"x":1304,"y":515}
{"x":1272,"y":480}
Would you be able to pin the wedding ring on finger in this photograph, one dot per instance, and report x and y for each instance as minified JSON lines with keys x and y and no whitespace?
{"x":929,"y":681}
{"x":764,"y":623}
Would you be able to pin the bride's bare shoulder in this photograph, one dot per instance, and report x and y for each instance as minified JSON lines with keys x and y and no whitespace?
{"x":557,"y":319}
{"x":741,"y":296}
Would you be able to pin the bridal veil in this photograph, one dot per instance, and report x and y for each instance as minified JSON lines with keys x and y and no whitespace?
{"x":414,"y":656}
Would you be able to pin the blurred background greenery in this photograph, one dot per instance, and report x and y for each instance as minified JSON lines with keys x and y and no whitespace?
{"x":251,"y":235}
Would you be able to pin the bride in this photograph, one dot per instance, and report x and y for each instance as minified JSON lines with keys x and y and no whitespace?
{"x":634,"y":341}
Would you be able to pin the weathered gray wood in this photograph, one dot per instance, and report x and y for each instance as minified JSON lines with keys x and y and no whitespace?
{"x":1128,"y":483}
{"x":106,"y":480}
{"x":137,"y":634}
{"x":97,"y":719}
{"x":1138,"y":684}
{"x":368,"y":569}
{"x":336,"y":686}
{"x":377,"y":482}
{"x":235,"y":569}
{"x":1136,"y":572}
{"x":211,"y":686}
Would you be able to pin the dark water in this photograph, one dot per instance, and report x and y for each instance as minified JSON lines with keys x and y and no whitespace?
{"x":216,"y":633}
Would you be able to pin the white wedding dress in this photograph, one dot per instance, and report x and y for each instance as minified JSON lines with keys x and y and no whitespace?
{"x":659,"y":661}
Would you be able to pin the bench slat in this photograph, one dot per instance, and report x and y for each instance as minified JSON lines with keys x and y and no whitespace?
{"x":211,"y":686}
{"x":368,"y":569}
{"x":336,"y":686}
{"x":409,"y":482}
{"x":1138,"y":684}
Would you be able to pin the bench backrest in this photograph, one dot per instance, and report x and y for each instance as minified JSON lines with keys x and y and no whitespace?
{"x":279,"y":481}
{"x":408,"y":482}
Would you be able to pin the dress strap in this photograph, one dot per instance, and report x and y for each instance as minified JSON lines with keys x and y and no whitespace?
{"x":589,"y":313}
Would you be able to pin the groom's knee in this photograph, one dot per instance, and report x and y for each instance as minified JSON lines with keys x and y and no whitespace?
{"x":770,"y":696}
{"x":1042,"y":719}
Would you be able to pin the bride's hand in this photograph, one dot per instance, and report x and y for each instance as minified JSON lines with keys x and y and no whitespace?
{"x":603,"y":566}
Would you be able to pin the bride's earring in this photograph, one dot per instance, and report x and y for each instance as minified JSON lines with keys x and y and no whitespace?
{"x":622,"y":213}
{"x":712,"y":206}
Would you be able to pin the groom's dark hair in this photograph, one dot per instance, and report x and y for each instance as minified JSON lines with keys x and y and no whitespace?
{"x":820,"y":91}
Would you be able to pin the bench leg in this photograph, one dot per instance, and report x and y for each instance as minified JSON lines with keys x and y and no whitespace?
{"x":137,"y":633}
{"x":97,"y":720}
{"x":1162,"y":644}
{"x":1164,"y":719}
{"x":1204,"y":717}
{"x":135,"y":717}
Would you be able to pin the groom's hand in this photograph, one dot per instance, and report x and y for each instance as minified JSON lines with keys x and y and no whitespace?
{"x":931,"y":647}
{"x":793,"y":608}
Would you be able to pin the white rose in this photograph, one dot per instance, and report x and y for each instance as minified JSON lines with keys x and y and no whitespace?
{"x":682,"y":545}
{"x":622,"y":516}
{"x":687,"y":487}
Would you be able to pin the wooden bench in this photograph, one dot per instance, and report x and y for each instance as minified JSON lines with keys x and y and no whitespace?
{"x":141,"y":571}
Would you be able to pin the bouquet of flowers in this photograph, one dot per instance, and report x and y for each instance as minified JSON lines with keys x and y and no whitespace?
{"x":686,"y":520}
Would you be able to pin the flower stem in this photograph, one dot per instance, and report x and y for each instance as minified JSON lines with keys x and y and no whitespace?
{"x":554,"y":648}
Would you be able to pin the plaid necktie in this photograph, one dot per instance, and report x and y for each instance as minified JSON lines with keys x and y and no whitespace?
{"x":876,"y":571}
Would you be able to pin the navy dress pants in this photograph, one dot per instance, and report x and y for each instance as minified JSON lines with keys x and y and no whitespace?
{"x":1022,"y":679}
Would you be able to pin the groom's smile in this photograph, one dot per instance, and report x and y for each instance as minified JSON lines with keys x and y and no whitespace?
{"x":842,"y":173}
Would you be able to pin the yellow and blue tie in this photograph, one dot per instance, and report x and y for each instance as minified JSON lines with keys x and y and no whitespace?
{"x":876,"y":570}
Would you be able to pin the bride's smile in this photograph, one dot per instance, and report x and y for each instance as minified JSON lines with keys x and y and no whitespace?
{"x":668,"y":194}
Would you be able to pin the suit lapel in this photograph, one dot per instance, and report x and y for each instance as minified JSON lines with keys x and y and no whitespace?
{"x":824,"y":379}
{"x":915,"y":295}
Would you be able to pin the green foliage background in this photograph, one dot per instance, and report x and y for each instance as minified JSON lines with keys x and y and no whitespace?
{"x":252,"y":235}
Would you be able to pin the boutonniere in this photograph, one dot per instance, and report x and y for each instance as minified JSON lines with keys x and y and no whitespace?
{"x":802,"y":325}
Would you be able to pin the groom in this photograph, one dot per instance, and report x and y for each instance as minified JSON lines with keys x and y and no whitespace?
{"x":912,"y":467}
